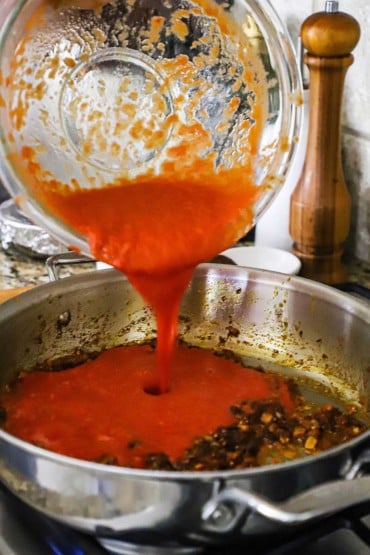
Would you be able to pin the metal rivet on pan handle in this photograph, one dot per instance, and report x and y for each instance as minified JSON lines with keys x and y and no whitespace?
{"x":317,"y":502}
{"x":356,"y":468}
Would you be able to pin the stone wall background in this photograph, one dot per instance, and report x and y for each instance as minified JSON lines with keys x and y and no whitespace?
{"x":356,"y":114}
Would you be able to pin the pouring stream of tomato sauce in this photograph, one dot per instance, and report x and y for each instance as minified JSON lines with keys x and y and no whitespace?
{"x":156,"y":232}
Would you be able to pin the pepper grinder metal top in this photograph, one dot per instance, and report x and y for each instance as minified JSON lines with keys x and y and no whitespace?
{"x":320,"y":204}
{"x":331,"y":6}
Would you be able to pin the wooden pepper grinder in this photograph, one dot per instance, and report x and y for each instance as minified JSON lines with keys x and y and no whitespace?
{"x":320,"y":204}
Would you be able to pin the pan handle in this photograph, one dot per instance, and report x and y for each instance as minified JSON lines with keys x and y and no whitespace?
{"x":71,"y":258}
{"x":228,"y":510}
{"x":65,"y":259}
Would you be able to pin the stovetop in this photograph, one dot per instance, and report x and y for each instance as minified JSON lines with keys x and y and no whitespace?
{"x":25,"y":532}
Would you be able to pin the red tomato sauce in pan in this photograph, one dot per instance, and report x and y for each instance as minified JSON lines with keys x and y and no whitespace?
{"x":103,"y":406}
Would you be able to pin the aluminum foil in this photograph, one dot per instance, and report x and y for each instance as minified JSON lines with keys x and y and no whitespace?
{"x":17,"y":231}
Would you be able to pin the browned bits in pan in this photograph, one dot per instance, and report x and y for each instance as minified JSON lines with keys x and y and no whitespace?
{"x":310,"y":443}
{"x":264,"y":433}
{"x":107,"y":459}
{"x":159,"y":461}
{"x":232,"y":331}
{"x":133,"y":444}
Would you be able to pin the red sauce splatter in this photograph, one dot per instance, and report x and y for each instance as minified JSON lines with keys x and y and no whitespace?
{"x":67,"y":412}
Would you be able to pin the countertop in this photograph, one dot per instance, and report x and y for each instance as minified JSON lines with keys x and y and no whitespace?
{"x":17,"y":269}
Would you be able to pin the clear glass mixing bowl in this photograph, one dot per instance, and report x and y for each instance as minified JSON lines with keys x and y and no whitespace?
{"x":93,"y":90}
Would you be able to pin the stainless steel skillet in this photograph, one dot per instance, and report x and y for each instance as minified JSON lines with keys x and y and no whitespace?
{"x":307,"y":328}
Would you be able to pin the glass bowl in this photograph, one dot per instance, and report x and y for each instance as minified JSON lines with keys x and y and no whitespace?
{"x":96,"y":91}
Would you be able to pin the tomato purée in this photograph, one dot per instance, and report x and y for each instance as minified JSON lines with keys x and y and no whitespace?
{"x":102,"y":407}
{"x":156,"y":229}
